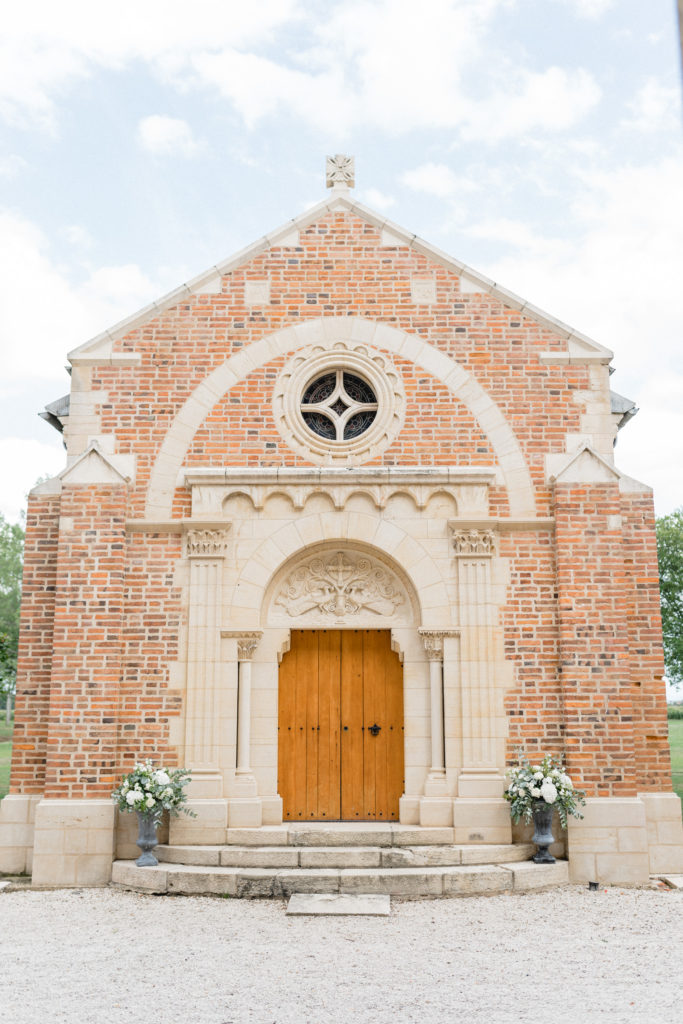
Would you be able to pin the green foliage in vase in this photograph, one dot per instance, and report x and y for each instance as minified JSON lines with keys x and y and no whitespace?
{"x":543,"y":783}
{"x":153,"y":790}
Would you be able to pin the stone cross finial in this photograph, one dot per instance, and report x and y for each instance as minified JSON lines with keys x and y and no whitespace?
{"x":340,"y":171}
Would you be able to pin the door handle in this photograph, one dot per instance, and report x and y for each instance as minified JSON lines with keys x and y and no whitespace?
{"x":374,"y":729}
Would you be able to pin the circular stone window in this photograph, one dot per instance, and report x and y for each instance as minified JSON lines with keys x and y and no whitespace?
{"x":340,"y":405}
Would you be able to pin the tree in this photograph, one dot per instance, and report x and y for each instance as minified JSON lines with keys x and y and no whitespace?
{"x":670,"y":555}
{"x":11,"y":556}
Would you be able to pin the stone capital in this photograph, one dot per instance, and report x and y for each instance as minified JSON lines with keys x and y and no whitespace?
{"x":433,"y":641}
{"x":206,"y":543}
{"x":247,"y":641}
{"x":472,"y":542}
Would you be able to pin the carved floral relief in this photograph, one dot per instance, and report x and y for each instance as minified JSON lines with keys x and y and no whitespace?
{"x":340,"y":585}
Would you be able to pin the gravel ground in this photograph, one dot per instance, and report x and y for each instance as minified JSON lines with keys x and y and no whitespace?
{"x":100,"y":955}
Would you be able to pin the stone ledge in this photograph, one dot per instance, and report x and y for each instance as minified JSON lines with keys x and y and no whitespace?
{"x":250,"y":883}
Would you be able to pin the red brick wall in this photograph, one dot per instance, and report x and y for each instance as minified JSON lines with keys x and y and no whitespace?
{"x":88,"y":620}
{"x":34,"y":665}
{"x":531,"y":630}
{"x":651,"y":734}
{"x":594,"y":647}
{"x":341,"y":269}
{"x":150,"y":645}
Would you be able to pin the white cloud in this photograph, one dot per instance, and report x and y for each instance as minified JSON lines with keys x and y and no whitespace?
{"x":11,"y":165}
{"x":656,"y":107}
{"x":618,"y":280}
{"x":167,"y":136}
{"x":23,"y":462}
{"x":590,"y":8}
{"x":36,"y":335}
{"x":376,"y":199}
{"x":47,"y":47}
{"x":553,"y":100}
{"x":78,"y":236}
{"x":388,"y":64}
{"x":437,"y":180}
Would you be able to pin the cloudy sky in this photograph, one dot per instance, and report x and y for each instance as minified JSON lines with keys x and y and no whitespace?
{"x":537,"y":140}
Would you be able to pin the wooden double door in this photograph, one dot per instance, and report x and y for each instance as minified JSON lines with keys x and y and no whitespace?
{"x":340,"y":726}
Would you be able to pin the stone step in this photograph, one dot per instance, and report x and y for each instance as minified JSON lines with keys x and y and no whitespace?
{"x":251,"y":882}
{"x":340,"y":833}
{"x":343,"y":856}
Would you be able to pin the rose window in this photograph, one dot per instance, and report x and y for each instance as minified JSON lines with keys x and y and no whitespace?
{"x":338,"y":405}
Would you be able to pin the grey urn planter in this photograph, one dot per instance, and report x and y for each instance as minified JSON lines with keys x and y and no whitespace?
{"x":147,"y":839}
{"x":543,"y":832}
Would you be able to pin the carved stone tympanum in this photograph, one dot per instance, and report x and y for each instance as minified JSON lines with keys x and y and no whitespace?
{"x":340,"y":585}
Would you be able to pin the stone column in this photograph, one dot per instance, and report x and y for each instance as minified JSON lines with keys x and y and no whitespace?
{"x":205,"y":550}
{"x":245,"y":808}
{"x":436,"y":805}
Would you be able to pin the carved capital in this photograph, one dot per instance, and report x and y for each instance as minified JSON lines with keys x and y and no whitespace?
{"x":469,"y":542}
{"x":247,"y":641}
{"x":433,"y":641}
{"x":206,"y":543}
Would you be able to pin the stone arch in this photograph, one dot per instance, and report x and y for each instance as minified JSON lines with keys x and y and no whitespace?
{"x":327,"y":330}
{"x":387,"y":542}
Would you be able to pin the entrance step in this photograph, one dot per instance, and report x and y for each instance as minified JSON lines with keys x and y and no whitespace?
{"x":327,"y":904}
{"x":370,"y":856}
{"x":254,"y":882}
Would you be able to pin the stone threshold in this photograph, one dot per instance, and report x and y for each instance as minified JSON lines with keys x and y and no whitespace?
{"x":339,"y":833}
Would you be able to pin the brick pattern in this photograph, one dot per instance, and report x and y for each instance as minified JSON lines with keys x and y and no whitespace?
{"x":594,"y":647}
{"x":240,"y":429}
{"x":153,"y":625}
{"x":34,"y":664}
{"x":88,"y":621}
{"x":651,"y":733}
{"x":531,"y":632}
{"x":340,"y":268}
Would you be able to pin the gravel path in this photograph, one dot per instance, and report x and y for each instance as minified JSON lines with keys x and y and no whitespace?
{"x":96,"y":956}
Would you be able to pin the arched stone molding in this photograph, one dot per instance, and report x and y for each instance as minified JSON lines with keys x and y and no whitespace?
{"x":326,"y":331}
{"x":249,"y":598}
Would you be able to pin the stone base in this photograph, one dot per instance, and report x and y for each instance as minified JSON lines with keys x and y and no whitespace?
{"x":409,"y":810}
{"x":17,"y":819}
{"x":609,"y":844}
{"x":73,"y":842}
{"x":481,"y":821}
{"x":208,"y":828}
{"x":436,"y":811}
{"x":271,"y":810}
{"x":246,"y":813}
{"x":482,"y":785}
{"x":664,"y":832}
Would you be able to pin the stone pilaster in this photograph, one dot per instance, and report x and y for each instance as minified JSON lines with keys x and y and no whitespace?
{"x":205,"y":549}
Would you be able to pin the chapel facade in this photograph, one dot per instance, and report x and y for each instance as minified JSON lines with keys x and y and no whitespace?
{"x":341,"y":531}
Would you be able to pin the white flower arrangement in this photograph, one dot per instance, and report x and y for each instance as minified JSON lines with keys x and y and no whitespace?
{"x":153,"y":790}
{"x":544,"y":783}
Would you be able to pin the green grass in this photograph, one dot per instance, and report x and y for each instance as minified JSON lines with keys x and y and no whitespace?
{"x":5,"y":729}
{"x":5,"y":758}
{"x":676,"y":741}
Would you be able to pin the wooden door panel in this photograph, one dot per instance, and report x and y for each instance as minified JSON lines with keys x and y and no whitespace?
{"x":352,"y":724}
{"x":329,"y":719}
{"x":334,"y":685}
